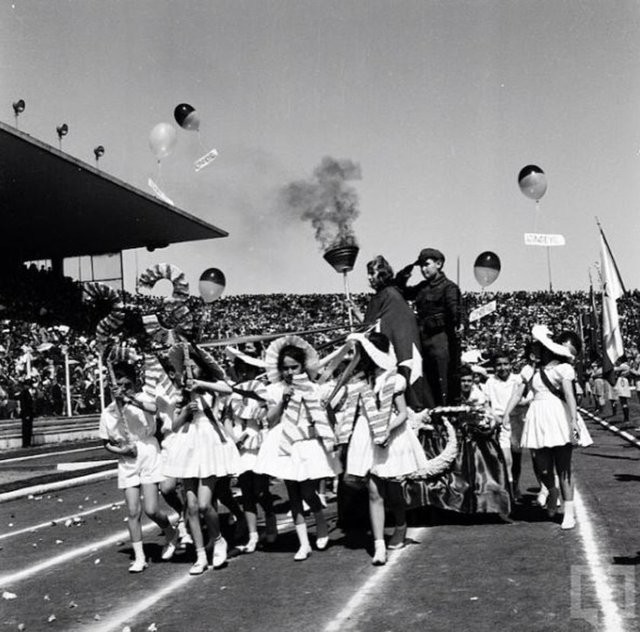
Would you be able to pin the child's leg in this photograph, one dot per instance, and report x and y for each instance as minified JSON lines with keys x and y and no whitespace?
{"x":249,"y":504}
{"x":398,"y":506}
{"x":376,"y":514}
{"x":624,"y":404}
{"x":171,"y":496}
{"x":134,"y":516}
{"x":226,"y":497}
{"x":309,"y":492}
{"x":206,"y":491}
{"x":297,"y":513}
{"x":545,"y":464}
{"x":264,"y":497}
{"x":562,"y":458}
{"x":152,"y":507}
{"x":193,"y":515}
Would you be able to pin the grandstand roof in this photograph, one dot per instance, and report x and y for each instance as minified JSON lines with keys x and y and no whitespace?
{"x":51,"y":205}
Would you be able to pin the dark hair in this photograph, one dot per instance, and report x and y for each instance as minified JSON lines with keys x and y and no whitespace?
{"x":466,"y":371}
{"x":295,"y":353}
{"x":381,"y":271}
{"x":572,"y":338}
{"x":123,"y":369}
{"x":501,"y":353}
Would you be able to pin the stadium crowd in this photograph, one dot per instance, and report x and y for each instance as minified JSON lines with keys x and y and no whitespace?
{"x":49,"y":320}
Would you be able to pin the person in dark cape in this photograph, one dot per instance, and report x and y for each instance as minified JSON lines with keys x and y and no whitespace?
{"x":398,"y":323}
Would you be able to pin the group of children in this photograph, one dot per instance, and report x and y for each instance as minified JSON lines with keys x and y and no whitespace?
{"x":291,"y":416}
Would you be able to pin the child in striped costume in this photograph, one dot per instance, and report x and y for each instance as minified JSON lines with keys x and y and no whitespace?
{"x":382,"y":445}
{"x":299,"y":447}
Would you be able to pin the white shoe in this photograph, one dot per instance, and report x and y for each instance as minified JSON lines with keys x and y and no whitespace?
{"x":219,"y":552}
{"x":568,"y":522}
{"x":322,"y":543}
{"x":138,"y":566}
{"x":199,"y":567}
{"x":170,"y":545}
{"x":250,"y":546}
{"x":302,"y":554}
{"x":541,"y":498}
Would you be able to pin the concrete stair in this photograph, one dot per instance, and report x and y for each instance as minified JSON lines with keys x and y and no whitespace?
{"x":49,"y":430}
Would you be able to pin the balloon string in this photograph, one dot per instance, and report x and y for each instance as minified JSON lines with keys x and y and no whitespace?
{"x":536,"y":217}
{"x":200,"y":141}
{"x":159,"y":172}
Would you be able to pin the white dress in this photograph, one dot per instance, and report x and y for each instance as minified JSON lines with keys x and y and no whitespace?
{"x":309,"y":458}
{"x":201,"y":448}
{"x":548,"y":421}
{"x":402,"y":455}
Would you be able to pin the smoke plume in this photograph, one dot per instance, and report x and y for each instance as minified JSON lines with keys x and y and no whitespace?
{"x":327,"y":201}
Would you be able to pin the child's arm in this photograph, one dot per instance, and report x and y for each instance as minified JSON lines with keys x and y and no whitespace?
{"x":401,"y":406}
{"x":125,"y":450}
{"x":184,"y":415}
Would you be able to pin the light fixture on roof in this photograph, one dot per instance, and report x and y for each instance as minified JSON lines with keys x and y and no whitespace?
{"x":98,"y":152}
{"x":18,"y":108}
{"x":62,"y":130}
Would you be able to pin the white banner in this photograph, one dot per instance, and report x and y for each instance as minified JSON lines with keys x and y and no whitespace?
{"x":481,"y":311}
{"x":539,"y":239}
{"x":156,"y":189}
{"x":207,"y":159}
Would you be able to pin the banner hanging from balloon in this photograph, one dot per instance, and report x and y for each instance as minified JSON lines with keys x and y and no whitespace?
{"x":188,"y":119}
{"x":540,"y":239}
{"x":211,"y":284}
{"x":486,"y":268}
{"x":532,"y":182}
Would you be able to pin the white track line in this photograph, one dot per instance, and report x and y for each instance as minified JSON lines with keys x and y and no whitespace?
{"x":11,"y":578}
{"x":612,"y":620}
{"x":372,"y":585}
{"x":49,"y":487}
{"x":129,"y":613}
{"x":57,"y":521}
{"x":46,"y":454}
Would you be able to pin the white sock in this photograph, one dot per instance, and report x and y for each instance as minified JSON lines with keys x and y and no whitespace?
{"x":303,"y":536}
{"x":201,"y":555}
{"x":138,"y":551}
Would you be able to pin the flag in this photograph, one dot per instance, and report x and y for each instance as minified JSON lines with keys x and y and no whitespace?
{"x":612,"y":290}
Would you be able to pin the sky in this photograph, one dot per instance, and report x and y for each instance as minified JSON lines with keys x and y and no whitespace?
{"x":439,"y":103}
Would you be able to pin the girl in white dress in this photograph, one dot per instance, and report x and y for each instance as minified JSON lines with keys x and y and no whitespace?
{"x":552,"y":420}
{"x":200,"y":452}
{"x":299,"y":447}
{"x":382,"y":445}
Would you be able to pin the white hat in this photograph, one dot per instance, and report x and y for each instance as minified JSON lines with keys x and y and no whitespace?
{"x":272,"y":354}
{"x":542,"y":334}
{"x":386,"y":361}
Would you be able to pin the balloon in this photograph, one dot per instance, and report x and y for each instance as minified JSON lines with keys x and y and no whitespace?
{"x":211,"y":285}
{"x":162,"y":139}
{"x":532,"y":182}
{"x":486,"y":268}
{"x":187,"y":117}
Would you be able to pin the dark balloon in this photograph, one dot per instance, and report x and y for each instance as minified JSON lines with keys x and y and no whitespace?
{"x":486,"y":268}
{"x":187,"y":117}
{"x":532,"y":182}
{"x":211,"y":285}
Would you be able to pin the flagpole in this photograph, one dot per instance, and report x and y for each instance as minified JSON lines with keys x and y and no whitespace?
{"x":613,"y":260}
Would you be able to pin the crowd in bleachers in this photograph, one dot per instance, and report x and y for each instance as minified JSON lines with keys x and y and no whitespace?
{"x":50,"y":319}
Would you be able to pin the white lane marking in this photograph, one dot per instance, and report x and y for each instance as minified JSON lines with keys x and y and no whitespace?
{"x":128,"y":613}
{"x":613,"y":428}
{"x":339,"y":622}
{"x":46,"y":454}
{"x":57,"y":521}
{"x":612,"y":620}
{"x":83,"y":465}
{"x":12,"y":578}
{"x":48,"y":487}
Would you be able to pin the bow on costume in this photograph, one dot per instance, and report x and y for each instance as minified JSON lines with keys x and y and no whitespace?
{"x":374,"y":404}
{"x":304,"y":405}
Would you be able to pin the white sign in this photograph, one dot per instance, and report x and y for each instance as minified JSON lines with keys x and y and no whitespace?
{"x":538,"y":239}
{"x":481,"y":311}
{"x":207,"y":159}
{"x":156,"y":189}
